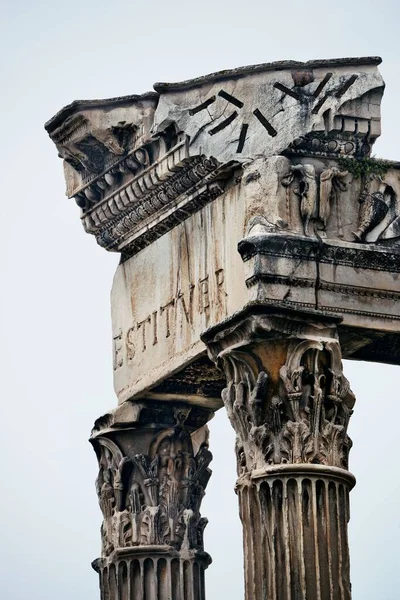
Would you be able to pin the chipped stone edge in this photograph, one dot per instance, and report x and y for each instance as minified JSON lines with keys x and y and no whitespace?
{"x":77,"y":105}
{"x":271,"y":66}
{"x":160,"y":87}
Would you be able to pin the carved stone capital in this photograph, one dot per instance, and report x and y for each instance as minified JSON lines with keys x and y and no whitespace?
{"x":153,"y":470}
{"x":286,"y":396}
{"x":152,"y":479}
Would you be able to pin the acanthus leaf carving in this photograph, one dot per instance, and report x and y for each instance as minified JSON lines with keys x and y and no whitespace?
{"x":154,"y":498}
{"x":302,"y":417}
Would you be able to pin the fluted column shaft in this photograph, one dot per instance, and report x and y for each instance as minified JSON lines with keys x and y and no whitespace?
{"x":295,"y":533}
{"x":290,"y":405}
{"x":158,"y":573}
{"x":152,"y":475}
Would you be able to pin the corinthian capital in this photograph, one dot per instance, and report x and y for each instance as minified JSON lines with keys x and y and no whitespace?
{"x":151,"y":482}
{"x":286,"y":395}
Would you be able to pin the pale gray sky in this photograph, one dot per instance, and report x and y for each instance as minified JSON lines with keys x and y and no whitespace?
{"x":56,"y":370}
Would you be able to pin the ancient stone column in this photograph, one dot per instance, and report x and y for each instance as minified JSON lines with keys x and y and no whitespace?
{"x":152,"y":477}
{"x":290,"y":405}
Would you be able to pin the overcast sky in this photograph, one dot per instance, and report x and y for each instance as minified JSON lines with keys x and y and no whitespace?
{"x":56,"y":367}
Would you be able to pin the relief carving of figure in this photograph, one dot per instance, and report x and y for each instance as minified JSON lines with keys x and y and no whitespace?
{"x":332,"y":183}
{"x":320,"y":200}
{"x":317,"y":197}
{"x":305,"y":187}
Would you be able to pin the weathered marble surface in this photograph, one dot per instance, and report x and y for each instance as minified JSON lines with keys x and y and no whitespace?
{"x":138,"y":165}
{"x":192,"y":277}
{"x":244,"y":114}
{"x":262,"y":157}
{"x":171,"y":291}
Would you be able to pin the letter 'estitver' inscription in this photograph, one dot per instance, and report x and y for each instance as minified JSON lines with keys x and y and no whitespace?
{"x":186,"y":292}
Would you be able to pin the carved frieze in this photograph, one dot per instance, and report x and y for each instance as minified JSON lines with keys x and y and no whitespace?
{"x":379,"y":210}
{"x":306,"y":190}
{"x":315,"y":207}
{"x":325,"y":199}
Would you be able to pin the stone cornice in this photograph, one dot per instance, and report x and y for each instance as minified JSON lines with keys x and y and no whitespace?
{"x":373,"y":256}
{"x":279,"y":65}
{"x":144,"y":201}
{"x":161,"y":87}
{"x":77,"y":105}
{"x":127,"y":159}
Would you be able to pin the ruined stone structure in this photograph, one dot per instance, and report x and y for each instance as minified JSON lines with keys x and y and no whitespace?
{"x":259,"y":244}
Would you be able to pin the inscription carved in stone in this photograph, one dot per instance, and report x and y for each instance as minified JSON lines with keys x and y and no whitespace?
{"x":166,"y":295}
{"x":164,"y":322}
